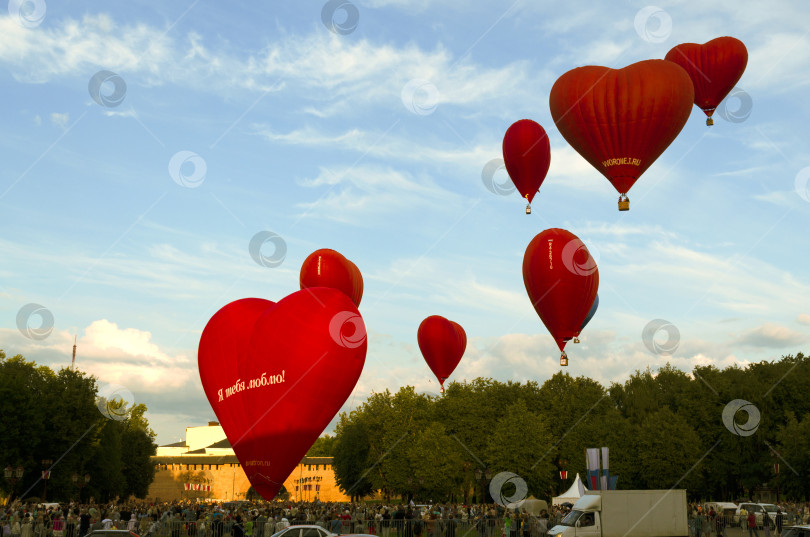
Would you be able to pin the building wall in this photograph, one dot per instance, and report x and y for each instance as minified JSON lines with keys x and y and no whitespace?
{"x":203,"y":436}
{"x":311,"y":481}
{"x":229,"y":482}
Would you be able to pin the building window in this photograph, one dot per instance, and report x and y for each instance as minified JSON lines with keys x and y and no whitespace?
{"x":296,"y":488}
{"x":317,"y":487}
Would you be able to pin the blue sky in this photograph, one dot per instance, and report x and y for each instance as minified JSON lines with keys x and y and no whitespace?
{"x":372,"y":142}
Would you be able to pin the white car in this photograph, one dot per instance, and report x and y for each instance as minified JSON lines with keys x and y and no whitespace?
{"x":304,"y":530}
{"x":758,"y":509}
{"x":796,"y":531}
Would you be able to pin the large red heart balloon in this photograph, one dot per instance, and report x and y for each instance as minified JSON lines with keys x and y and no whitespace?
{"x":562,"y":280}
{"x":225,"y":338}
{"x":328,"y":268}
{"x":442,"y":343}
{"x":621,"y":120}
{"x":304,"y":358}
{"x":714,"y":67}
{"x":527,"y":156}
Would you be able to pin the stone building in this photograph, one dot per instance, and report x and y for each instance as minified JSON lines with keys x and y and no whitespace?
{"x":204,"y":466}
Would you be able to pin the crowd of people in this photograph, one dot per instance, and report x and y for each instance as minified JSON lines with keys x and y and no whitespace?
{"x":263,"y":519}
{"x":703,"y":522}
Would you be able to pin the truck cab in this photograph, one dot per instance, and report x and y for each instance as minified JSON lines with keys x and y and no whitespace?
{"x":582,"y":521}
{"x":583,"y":524}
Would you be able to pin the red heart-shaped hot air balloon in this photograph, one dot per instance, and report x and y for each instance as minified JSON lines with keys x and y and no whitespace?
{"x":328,"y":268}
{"x":714,"y":67}
{"x":527,"y":156}
{"x":442,"y":343}
{"x":621,"y":120}
{"x":225,"y":338}
{"x":562,"y":280}
{"x":304,"y":358}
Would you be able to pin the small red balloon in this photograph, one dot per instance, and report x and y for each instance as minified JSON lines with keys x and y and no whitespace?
{"x":622,"y":120}
{"x":714,"y":67}
{"x":304,"y":357}
{"x":328,"y":268}
{"x":442,"y":343}
{"x":562,"y":279}
{"x":527,"y":156}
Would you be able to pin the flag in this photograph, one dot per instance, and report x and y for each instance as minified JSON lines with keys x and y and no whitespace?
{"x":605,"y":473}
{"x":187,"y":486}
{"x":592,"y":463}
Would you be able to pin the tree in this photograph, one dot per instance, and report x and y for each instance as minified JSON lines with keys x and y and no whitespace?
{"x":521,"y":443}
{"x":350,"y":454}
{"x":54,"y":416}
{"x":668,"y":451}
{"x":323,"y":447}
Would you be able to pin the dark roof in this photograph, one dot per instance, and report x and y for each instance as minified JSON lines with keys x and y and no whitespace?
{"x":317,"y":460}
{"x":221,"y":459}
{"x":200,"y":451}
{"x":181,"y":443}
{"x":221,"y":444}
{"x":195,"y":459}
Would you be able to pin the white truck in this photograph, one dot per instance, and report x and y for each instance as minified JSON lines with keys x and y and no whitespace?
{"x":626,"y":513}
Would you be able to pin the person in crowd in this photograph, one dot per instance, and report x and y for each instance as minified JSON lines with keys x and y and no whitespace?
{"x":778,"y":522}
{"x":752,"y":525}
{"x":57,"y":525}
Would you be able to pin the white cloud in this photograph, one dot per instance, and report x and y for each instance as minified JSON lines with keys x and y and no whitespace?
{"x":60,"y":120}
{"x":348,"y":73}
{"x":772,"y":336}
{"x":363,"y":192}
{"x":803,"y":318}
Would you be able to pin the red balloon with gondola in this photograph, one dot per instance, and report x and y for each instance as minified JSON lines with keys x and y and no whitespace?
{"x":714,"y":68}
{"x":527,"y":156}
{"x":328,"y":268}
{"x":561,"y":279}
{"x":622,"y":120}
{"x":442,"y":343}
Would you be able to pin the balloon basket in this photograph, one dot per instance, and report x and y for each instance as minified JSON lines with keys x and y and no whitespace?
{"x":528,"y":209}
{"x":709,"y":122}
{"x":564,"y":360}
{"x":624,"y":203}
{"x":576,"y":340}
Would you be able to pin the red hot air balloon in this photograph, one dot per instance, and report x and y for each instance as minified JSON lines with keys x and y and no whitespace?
{"x":225,"y":338}
{"x":304,"y":357}
{"x":328,"y":268}
{"x":714,"y":67}
{"x":527,"y":156}
{"x":562,"y":280}
{"x":621,"y":120}
{"x":442,"y":343}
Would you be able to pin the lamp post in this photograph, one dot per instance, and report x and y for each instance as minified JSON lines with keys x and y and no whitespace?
{"x":563,"y":472}
{"x":483,"y":477}
{"x":776,"y":471}
{"x":81,"y":481}
{"x":46,"y":474}
{"x":13,"y":475}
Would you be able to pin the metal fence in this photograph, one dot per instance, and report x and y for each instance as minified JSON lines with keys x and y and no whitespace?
{"x":480,"y":527}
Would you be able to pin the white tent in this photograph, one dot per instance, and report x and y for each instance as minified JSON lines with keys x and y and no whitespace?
{"x":533,"y":506}
{"x":572,"y":494}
